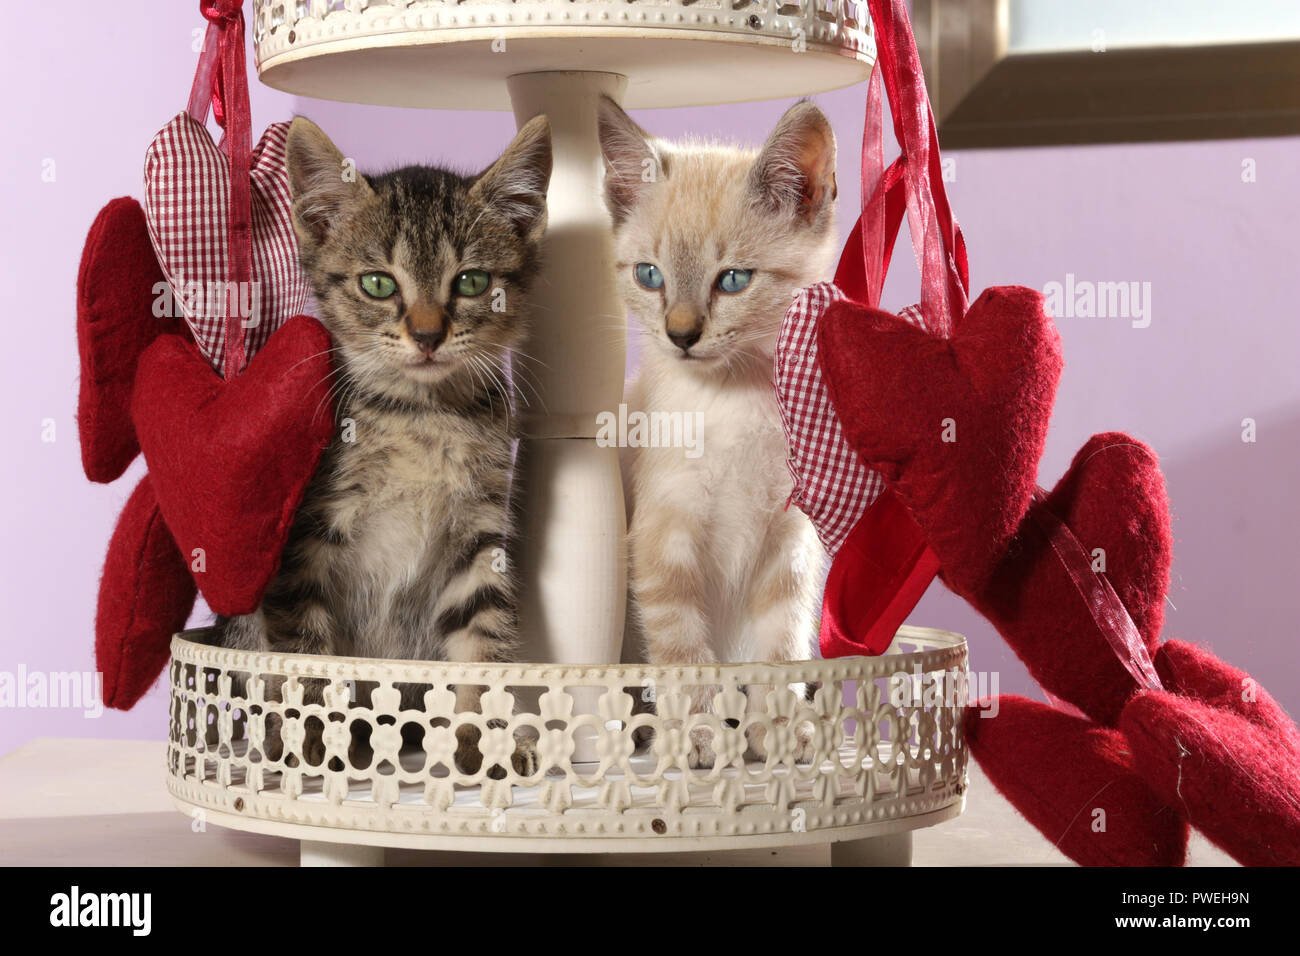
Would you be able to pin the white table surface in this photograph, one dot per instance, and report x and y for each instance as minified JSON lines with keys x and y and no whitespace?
{"x":76,"y":802}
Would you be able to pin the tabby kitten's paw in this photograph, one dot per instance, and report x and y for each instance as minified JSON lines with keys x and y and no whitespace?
{"x":525,"y":760}
{"x":272,"y":746}
{"x":469,"y":759}
{"x":313,"y":748}
{"x":360,"y":754}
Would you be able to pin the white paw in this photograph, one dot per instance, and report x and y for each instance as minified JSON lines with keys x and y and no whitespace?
{"x":803,"y":749}
{"x":701,"y":756}
{"x":803,"y":744}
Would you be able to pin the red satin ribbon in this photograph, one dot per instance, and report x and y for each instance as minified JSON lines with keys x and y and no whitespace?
{"x":872,"y":233}
{"x":221,"y":84}
{"x":201,"y":90}
{"x":1107,"y":610}
{"x":937,"y":241}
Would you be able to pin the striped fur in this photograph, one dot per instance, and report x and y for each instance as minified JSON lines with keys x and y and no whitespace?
{"x":399,"y":549}
{"x":719,"y":569}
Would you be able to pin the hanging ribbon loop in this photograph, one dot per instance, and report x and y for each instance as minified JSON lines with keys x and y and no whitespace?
{"x":914,"y":183}
{"x":221,"y":86}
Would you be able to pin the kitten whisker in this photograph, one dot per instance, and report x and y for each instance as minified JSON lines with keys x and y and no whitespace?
{"x":482,"y":364}
{"x":340,"y":384}
{"x":336,"y":348}
{"x":521,"y":378}
{"x":516,"y":350}
{"x":526,"y":376}
{"x":474,"y":370}
{"x":322,"y":381}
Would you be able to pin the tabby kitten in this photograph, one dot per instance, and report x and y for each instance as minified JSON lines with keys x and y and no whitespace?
{"x":421,"y":276}
{"x":710,"y":243}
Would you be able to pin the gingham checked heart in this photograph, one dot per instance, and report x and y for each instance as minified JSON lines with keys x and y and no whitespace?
{"x":831,"y":484}
{"x":187,"y":185}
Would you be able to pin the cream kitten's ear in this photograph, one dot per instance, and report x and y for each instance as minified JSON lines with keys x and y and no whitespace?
{"x":322,"y":183}
{"x":516,"y":183}
{"x":795,"y":172}
{"x":632,"y":163}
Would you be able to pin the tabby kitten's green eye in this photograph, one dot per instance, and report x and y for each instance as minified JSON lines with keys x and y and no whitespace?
{"x":378,"y":285}
{"x":733,"y":280}
{"x":471,"y":282}
{"x":649,"y":275}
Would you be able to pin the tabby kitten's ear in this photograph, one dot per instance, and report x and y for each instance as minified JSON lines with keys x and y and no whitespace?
{"x":515,"y":185}
{"x":322,"y":185}
{"x":795,"y":171}
{"x":632,"y":163}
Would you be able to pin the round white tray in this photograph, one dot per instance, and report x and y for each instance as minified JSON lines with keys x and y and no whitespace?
{"x":457,"y":53}
{"x":887,"y":756}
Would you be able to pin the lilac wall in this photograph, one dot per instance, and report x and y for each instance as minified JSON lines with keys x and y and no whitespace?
{"x":1221,"y":346}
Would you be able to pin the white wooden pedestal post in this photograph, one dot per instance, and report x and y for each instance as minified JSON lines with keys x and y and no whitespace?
{"x":574,"y":564}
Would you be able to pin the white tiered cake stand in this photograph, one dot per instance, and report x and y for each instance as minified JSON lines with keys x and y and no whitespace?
{"x":881,"y":766}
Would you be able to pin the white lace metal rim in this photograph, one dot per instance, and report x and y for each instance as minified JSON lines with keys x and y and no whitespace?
{"x":850,"y":748}
{"x":284,"y":28}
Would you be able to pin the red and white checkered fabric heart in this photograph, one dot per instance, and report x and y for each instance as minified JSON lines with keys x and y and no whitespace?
{"x":187,"y":185}
{"x":831,"y":485}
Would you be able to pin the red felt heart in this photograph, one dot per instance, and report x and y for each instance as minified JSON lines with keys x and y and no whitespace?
{"x":116,"y":289}
{"x":187,"y":188}
{"x":955,"y":426}
{"x":1059,"y":771}
{"x":1237,"y":781}
{"x":145,"y":597}
{"x":230,"y":461}
{"x":1194,"y":672}
{"x":1113,"y":500}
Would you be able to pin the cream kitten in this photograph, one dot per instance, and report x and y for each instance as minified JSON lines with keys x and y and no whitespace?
{"x":710,"y":244}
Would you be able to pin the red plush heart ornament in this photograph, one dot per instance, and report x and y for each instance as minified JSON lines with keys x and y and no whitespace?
{"x":116,"y":290}
{"x":940,"y":416}
{"x":1077,"y":783}
{"x":187,"y":195}
{"x":1236,"y":780}
{"x":145,"y":597}
{"x":230,"y":461}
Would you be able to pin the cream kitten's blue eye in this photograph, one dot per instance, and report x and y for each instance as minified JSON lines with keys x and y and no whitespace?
{"x":649,"y":275}
{"x":378,"y":285}
{"x":733,"y":280}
